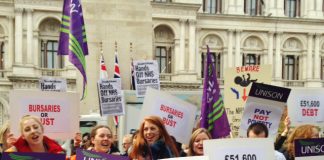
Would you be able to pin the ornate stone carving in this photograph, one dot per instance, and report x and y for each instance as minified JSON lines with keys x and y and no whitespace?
{"x":292,"y":44}
{"x":213,"y":41}
{"x":253,"y":43}
{"x":1,"y":31}
{"x":50,"y":25}
{"x":57,"y":3}
{"x":164,"y":34}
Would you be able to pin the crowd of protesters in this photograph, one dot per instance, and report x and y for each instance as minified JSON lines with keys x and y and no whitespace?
{"x":150,"y":142}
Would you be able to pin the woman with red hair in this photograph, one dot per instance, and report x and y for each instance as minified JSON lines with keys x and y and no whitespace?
{"x":153,"y":141}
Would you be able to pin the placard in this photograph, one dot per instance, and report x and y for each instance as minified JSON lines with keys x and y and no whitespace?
{"x":178,"y":116}
{"x":237,"y":84}
{"x":111,"y":98}
{"x":265,"y":104}
{"x":240,"y":149}
{"x":146,"y":74}
{"x":91,"y":155}
{"x":309,"y":149}
{"x":190,"y":158}
{"x":58,"y":111}
{"x":52,"y":84}
{"x":32,"y":156}
{"x":306,"y":106}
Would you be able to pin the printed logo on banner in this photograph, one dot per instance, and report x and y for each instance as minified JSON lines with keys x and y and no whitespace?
{"x":309,"y":147}
{"x":91,"y":155}
{"x":32,"y":156}
{"x":52,"y":84}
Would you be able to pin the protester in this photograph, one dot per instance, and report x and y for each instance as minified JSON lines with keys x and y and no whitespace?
{"x":32,"y":138}
{"x":101,"y":140}
{"x":302,"y":132}
{"x":153,"y":141}
{"x":259,"y":130}
{"x":283,"y":136}
{"x":6,"y":138}
{"x":196,"y":147}
{"x":127,"y":143}
{"x":86,"y":140}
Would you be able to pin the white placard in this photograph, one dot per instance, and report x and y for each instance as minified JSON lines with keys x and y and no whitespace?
{"x":58,"y":111}
{"x":52,"y":84}
{"x":111,"y":98}
{"x":240,"y":149}
{"x":306,"y":106}
{"x":146,"y":75}
{"x":177,"y":115}
{"x":190,"y":158}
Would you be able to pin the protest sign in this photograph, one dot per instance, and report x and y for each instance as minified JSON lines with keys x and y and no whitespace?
{"x":265,"y":105}
{"x":190,"y":158}
{"x":240,"y":149}
{"x":52,"y":84}
{"x":309,"y":149}
{"x":237,"y":84}
{"x":178,"y":116}
{"x":306,"y":106}
{"x":111,"y":98}
{"x":146,"y":75}
{"x":32,"y":156}
{"x":58,"y":111}
{"x":91,"y":155}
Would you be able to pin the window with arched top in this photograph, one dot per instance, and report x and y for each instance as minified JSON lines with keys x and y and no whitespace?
{"x":252,"y":51}
{"x":212,"y":6}
{"x":163,"y":48}
{"x":49,"y":31}
{"x":292,"y":49}
{"x":253,"y":7}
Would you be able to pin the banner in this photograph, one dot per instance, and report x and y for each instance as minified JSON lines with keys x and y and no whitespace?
{"x":146,"y":75}
{"x":265,"y":104}
{"x":237,"y":84}
{"x":91,"y":155}
{"x":309,"y":149}
{"x":58,"y":111}
{"x":111,"y":98}
{"x":178,"y":116}
{"x":32,"y":156}
{"x":52,"y":84}
{"x":239,"y":149}
{"x":190,"y":158}
{"x":306,"y":106}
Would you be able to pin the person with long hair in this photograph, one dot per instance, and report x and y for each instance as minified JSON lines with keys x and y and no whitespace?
{"x":101,"y":140}
{"x":7,"y":139}
{"x":196,"y":142}
{"x":302,"y":132}
{"x":32,"y":138}
{"x":153,"y":141}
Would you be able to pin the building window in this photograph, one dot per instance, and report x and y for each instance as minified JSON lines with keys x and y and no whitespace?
{"x":322,"y":68}
{"x":212,"y":6}
{"x":290,"y":70}
{"x":292,"y":8}
{"x":1,"y":55}
{"x":217,"y":58}
{"x":253,"y":7}
{"x":250,"y":59}
{"x":49,"y":57}
{"x":163,"y":57}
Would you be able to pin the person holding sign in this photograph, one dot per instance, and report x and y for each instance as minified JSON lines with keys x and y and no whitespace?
{"x":32,"y":138}
{"x":196,"y":142}
{"x":101,"y":140}
{"x":302,"y":132}
{"x":153,"y":141}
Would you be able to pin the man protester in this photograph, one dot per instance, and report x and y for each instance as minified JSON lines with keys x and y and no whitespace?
{"x":127,"y":143}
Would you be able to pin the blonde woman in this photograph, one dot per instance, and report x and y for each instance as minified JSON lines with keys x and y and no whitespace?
{"x":196,"y":142}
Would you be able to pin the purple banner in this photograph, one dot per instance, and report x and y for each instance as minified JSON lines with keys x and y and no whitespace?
{"x":32,"y":156}
{"x":309,"y":147}
{"x":90,"y":155}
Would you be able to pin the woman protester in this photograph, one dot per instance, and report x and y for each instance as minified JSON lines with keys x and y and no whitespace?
{"x":101,"y":140}
{"x":32,"y":138}
{"x":196,"y":142}
{"x":153,"y":141}
{"x":302,"y":132}
{"x":6,"y":138}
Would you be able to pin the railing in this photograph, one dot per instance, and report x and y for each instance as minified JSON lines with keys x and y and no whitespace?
{"x":293,"y":83}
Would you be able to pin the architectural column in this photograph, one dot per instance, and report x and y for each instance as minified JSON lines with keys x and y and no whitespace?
{"x":192,"y":45}
{"x":29,"y":36}
{"x":238,"y":58}
{"x":270,"y":47}
{"x":182,"y":45}
{"x":11,"y":42}
{"x":280,"y":8}
{"x":309,"y":63}
{"x":18,"y":35}
{"x":278,"y":62}
{"x":230,"y":48}
{"x":177,"y":55}
{"x":317,"y":57}
{"x":36,"y":54}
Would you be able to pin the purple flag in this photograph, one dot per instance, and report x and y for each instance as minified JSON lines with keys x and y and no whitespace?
{"x":91,"y":155}
{"x":73,"y":40}
{"x":213,"y":114}
{"x":32,"y":156}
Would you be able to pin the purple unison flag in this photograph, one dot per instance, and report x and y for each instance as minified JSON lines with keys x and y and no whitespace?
{"x":213,"y":114}
{"x":73,"y":40}
{"x":91,"y":155}
{"x":32,"y":156}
